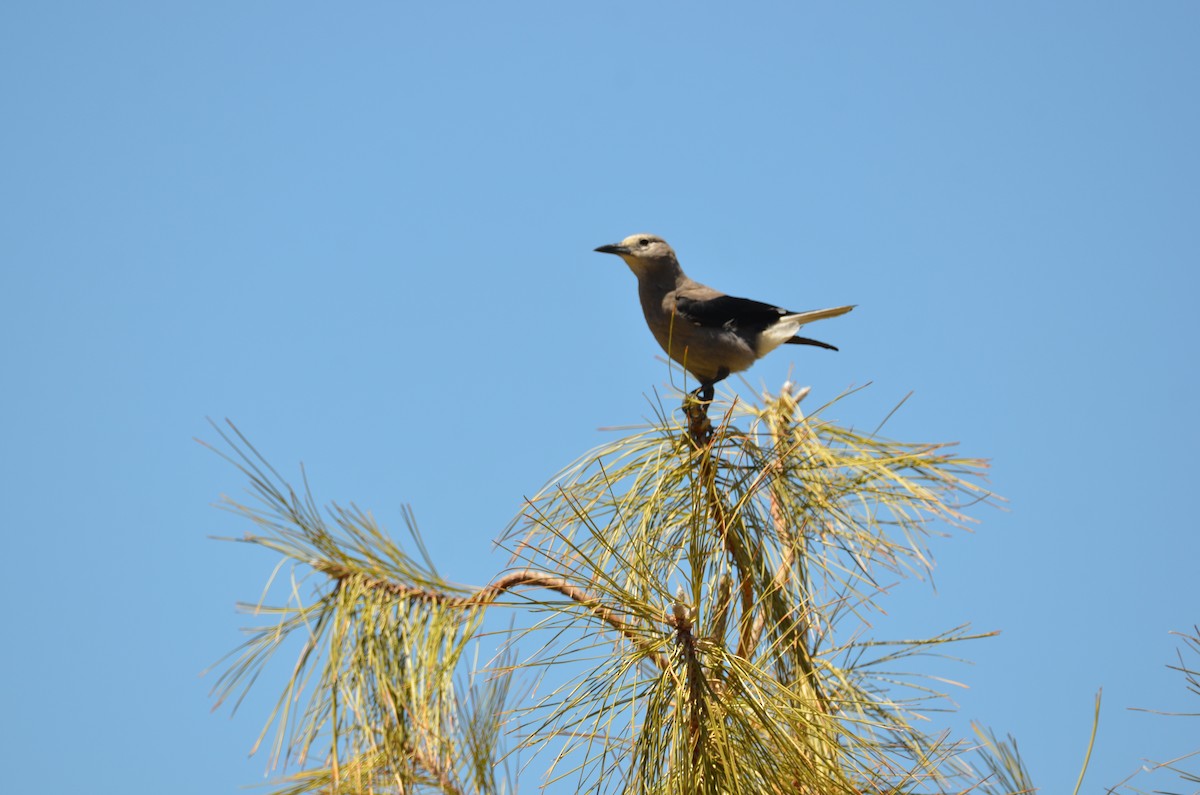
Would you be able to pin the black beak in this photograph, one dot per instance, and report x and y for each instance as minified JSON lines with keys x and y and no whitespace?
{"x":614,"y":249}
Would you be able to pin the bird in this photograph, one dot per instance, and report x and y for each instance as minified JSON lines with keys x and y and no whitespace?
{"x":708,"y":332}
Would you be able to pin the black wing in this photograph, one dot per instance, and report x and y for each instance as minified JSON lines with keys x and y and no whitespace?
{"x":735,"y":314}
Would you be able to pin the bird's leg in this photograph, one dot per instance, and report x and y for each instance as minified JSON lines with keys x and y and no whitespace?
{"x":705,"y":392}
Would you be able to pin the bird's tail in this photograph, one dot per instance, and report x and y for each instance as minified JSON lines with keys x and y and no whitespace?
{"x":810,"y":341}
{"x":785,"y":328}
{"x":800,"y":318}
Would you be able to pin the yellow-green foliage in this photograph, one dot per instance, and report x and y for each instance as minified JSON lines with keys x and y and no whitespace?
{"x":696,"y":599}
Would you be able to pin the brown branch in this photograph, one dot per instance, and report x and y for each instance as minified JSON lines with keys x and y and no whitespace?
{"x":339,"y":572}
{"x":537,"y":579}
{"x":704,"y":439}
{"x":737,"y":553}
{"x":695,"y":701}
{"x":489,"y":594}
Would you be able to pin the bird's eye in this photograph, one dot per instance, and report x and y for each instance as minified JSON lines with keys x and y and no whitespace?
{"x":644,"y":242}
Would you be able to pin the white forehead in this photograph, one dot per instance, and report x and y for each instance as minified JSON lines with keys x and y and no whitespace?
{"x":633,"y":241}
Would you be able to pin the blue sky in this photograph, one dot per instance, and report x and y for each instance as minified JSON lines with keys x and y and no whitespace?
{"x":364,"y":233}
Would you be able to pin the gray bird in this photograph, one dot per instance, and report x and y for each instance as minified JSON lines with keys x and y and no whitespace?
{"x":711,"y":334}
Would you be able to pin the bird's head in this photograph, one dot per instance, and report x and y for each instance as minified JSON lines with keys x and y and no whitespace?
{"x":643,"y":253}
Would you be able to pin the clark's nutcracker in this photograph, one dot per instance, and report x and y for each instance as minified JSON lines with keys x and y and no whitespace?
{"x":711,"y":334}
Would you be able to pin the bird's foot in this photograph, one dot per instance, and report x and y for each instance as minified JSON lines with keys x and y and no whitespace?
{"x":703,"y":394}
{"x":695,"y":408}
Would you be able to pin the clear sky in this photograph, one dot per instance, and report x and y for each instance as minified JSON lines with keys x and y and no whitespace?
{"x":364,"y":232}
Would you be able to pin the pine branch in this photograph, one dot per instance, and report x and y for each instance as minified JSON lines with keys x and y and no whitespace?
{"x":772,"y":536}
